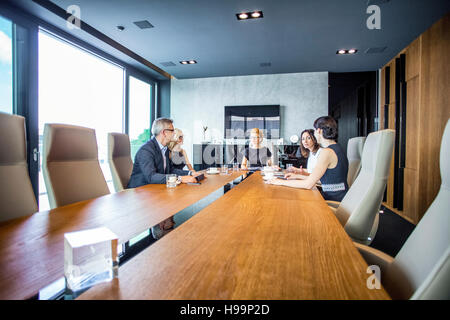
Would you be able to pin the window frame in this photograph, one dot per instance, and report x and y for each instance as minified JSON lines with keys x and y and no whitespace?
{"x":29,"y":92}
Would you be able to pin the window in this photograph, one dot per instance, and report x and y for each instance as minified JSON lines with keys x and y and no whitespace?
{"x":6,"y":78}
{"x":139,"y":114}
{"x":79,"y":88}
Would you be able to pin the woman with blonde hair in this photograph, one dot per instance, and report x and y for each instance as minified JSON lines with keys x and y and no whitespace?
{"x":255,"y":155}
{"x":177,"y":153}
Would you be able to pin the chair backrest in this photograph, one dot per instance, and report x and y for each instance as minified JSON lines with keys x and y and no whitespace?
{"x":70,"y":165}
{"x":421,"y":269}
{"x":119,"y":158}
{"x":354,"y":154}
{"x":358,"y":209}
{"x":16,"y":193}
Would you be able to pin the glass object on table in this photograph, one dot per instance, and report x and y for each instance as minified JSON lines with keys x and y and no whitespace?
{"x":171,"y":180}
{"x":224,"y":169}
{"x":236,"y":167}
{"x":90,"y":257}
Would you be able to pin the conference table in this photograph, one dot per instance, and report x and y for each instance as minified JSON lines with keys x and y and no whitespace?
{"x":255,"y":241}
{"x":32,"y":247}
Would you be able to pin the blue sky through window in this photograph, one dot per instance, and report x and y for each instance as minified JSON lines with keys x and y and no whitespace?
{"x":5,"y":65}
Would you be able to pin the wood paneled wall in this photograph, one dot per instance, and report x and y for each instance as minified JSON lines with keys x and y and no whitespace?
{"x":427,"y":112}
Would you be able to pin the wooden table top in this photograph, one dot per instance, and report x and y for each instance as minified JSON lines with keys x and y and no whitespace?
{"x":32,"y":247}
{"x":258,"y":241}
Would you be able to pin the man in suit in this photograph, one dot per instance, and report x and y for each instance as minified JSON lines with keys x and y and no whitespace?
{"x":152,"y":163}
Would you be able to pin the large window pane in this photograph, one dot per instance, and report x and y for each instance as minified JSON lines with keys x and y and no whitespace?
{"x":6,"y":101}
{"x":139,"y":114}
{"x":79,"y":88}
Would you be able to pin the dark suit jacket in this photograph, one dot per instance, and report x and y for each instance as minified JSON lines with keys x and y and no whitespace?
{"x":148,"y":166}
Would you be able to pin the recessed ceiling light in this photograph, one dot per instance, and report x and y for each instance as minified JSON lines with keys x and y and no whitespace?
{"x":243,"y":16}
{"x":346,"y":51}
{"x":249,"y":15}
{"x":120,"y":28}
{"x":188,"y":62}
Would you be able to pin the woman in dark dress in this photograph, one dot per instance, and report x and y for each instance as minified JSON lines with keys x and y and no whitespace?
{"x":255,"y":155}
{"x":331,"y":168}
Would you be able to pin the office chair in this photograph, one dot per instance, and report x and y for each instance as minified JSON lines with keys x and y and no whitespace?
{"x":358,"y":211}
{"x":16,"y":193}
{"x":119,"y":158}
{"x":70,"y":165}
{"x":354,"y":153}
{"x":421,"y":269}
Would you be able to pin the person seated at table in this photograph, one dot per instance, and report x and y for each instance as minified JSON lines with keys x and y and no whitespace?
{"x":177,"y":153}
{"x":255,"y":155}
{"x":331,"y":168}
{"x":152,"y":163}
{"x":309,"y":148}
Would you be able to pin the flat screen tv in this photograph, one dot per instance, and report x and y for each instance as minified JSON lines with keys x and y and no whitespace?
{"x":239,"y":120}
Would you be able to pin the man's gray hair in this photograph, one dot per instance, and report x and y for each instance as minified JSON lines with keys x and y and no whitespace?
{"x":160,"y":124}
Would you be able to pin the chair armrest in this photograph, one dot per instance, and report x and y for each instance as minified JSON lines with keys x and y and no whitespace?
{"x":333,"y":204}
{"x":374,"y":256}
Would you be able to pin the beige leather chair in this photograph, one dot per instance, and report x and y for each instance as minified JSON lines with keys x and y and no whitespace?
{"x":358,"y":211}
{"x":421,"y":269}
{"x":119,"y":158}
{"x":354,"y":153}
{"x":16,"y":193}
{"x":70,"y":165}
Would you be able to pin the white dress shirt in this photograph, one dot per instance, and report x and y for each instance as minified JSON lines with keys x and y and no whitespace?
{"x":312,"y":160}
{"x":163,"y":151}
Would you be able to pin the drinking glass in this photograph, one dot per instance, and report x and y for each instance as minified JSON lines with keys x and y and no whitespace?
{"x":224,"y":169}
{"x":171,"y":180}
{"x":236,"y":167}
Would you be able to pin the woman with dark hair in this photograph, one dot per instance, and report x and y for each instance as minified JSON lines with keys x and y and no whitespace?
{"x":331,"y":168}
{"x":309,"y":148}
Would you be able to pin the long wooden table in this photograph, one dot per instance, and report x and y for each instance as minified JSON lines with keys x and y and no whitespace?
{"x":32,"y":247}
{"x":258,"y":241}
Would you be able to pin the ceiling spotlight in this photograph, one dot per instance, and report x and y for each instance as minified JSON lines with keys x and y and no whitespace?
{"x":188,"y":62}
{"x":249,"y":15}
{"x":243,"y":16}
{"x":120,"y":28}
{"x":346,"y":51}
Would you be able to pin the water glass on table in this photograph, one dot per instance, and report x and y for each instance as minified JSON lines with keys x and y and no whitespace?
{"x":171,"y":180}
{"x":224,"y":169}
{"x":289,"y":167}
{"x":236,"y":167}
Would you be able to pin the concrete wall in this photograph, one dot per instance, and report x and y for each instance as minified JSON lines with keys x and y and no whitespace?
{"x":303,"y":97}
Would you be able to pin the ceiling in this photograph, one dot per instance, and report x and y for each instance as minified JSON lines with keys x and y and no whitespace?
{"x":293,"y":36}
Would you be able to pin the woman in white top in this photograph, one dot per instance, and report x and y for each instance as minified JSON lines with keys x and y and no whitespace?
{"x":310,"y":149}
